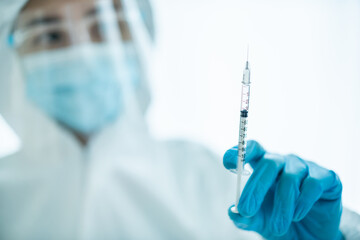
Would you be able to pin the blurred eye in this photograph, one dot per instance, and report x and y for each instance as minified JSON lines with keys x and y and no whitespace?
{"x":50,"y":38}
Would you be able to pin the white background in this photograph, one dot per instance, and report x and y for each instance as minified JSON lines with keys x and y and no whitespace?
{"x":305,"y":60}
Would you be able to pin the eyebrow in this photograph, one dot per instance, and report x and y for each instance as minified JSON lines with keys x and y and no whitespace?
{"x":55,"y":19}
{"x":43,"y":20}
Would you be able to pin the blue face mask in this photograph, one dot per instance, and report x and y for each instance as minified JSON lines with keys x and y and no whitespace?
{"x":79,"y":86}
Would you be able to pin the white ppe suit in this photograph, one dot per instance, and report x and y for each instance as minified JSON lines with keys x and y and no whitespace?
{"x":124,"y":185}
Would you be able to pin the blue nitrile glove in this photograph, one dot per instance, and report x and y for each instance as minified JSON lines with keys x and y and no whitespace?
{"x":287,"y":197}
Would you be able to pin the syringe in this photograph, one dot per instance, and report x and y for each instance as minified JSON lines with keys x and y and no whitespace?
{"x":245,"y":97}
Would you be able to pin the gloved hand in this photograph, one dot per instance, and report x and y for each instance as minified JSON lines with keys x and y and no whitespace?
{"x":287,"y":197}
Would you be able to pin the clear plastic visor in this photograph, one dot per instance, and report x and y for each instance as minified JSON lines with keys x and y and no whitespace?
{"x":61,"y":25}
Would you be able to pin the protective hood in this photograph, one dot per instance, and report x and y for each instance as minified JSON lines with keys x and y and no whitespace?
{"x":9,"y":10}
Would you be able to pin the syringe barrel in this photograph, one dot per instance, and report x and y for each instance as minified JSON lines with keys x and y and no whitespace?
{"x":245,"y":99}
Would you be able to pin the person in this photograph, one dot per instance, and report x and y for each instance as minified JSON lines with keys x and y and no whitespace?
{"x":89,"y":168}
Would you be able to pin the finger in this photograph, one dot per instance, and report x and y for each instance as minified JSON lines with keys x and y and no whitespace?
{"x":246,"y":223}
{"x":259,"y":183}
{"x":254,"y":152}
{"x":286,"y":194}
{"x":310,"y":193}
{"x":319,"y":184}
{"x":230,"y":158}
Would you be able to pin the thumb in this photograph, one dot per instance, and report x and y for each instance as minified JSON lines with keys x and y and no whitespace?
{"x":254,"y":152}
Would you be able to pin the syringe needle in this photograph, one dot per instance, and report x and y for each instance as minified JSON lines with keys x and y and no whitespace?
{"x":247,"y":57}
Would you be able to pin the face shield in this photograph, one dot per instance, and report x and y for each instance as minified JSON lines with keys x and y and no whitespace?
{"x":83,"y":61}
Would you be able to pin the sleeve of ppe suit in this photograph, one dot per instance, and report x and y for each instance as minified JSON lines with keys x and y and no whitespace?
{"x":350,"y":225}
{"x":208,"y":192}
